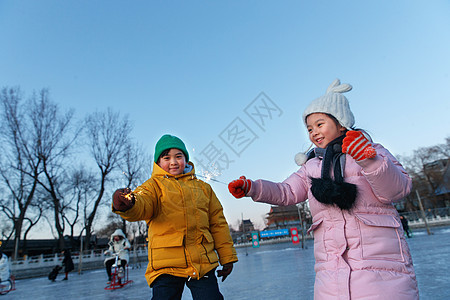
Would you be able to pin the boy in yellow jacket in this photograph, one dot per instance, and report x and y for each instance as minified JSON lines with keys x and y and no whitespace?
{"x":188,"y":234}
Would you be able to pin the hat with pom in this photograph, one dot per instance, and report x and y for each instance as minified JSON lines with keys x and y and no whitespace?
{"x":333,"y":103}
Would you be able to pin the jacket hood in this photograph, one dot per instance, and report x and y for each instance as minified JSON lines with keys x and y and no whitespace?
{"x":118,"y":232}
{"x":189,"y":170}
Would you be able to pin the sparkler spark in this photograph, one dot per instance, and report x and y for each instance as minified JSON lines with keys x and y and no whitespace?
{"x":131,"y":194}
{"x":209,"y":175}
{"x":128,"y":196}
{"x":211,"y":179}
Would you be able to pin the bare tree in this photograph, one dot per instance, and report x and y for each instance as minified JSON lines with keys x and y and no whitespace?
{"x":110,"y":225}
{"x":135,"y":166}
{"x":107,"y":136}
{"x":80,"y":188}
{"x":444,"y":149}
{"x":52,"y":136}
{"x":32,"y":222}
{"x":425,"y":168}
{"x":19,"y":166}
{"x":139,"y":230}
{"x":6,"y":231}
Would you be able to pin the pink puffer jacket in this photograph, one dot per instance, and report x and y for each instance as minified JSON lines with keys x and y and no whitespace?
{"x":361,"y":253}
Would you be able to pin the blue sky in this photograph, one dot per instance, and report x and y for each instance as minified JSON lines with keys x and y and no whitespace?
{"x":190,"y":68}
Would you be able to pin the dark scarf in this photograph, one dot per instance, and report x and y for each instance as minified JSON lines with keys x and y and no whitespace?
{"x":325,"y":189}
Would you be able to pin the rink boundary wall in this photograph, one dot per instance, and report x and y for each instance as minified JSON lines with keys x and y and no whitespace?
{"x":42,"y":265}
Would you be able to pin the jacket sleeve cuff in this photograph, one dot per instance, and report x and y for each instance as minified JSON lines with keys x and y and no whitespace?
{"x":251,"y":191}
{"x":123,"y":213}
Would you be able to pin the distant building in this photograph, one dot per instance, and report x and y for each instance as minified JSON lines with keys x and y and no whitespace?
{"x":443,"y":188}
{"x":434,"y":184}
{"x":281,"y":217}
{"x":248,"y":226}
{"x":244,"y":233}
{"x":32,"y":247}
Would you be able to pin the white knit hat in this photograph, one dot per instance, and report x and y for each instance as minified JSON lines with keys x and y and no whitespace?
{"x":333,"y":103}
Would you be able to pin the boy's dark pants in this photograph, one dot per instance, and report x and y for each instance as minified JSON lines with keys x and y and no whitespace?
{"x":168,"y":287}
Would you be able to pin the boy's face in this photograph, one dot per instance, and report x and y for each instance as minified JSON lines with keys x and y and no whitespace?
{"x":322,"y":129}
{"x":174,"y":162}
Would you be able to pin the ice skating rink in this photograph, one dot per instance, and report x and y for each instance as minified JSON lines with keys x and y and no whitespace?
{"x":278,"y":271}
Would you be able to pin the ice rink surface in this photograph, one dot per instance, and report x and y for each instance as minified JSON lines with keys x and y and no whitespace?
{"x":280,"y":271}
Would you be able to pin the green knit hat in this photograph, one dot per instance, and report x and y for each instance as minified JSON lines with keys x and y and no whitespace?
{"x":168,"y":141}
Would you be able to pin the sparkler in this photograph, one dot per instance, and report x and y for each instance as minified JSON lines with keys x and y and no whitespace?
{"x":128,"y":196}
{"x":209,"y":176}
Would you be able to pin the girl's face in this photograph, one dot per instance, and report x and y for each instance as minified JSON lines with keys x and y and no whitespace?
{"x":322,"y":129}
{"x":174,"y":162}
{"x":117,"y":238}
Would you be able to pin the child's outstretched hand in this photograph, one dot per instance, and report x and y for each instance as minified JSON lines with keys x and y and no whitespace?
{"x":358,"y":146}
{"x":240,"y":187}
{"x":226,"y":270}
{"x":123,"y":199}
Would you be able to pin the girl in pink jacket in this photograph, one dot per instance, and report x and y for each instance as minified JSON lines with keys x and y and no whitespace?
{"x":351,"y":183}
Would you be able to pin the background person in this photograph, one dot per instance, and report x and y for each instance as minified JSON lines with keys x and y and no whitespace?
{"x":67,"y":263}
{"x":120,"y":245}
{"x":5,"y":272}
{"x":405,"y":225}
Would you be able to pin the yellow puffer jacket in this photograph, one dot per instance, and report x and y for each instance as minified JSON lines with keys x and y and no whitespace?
{"x":187,"y":228}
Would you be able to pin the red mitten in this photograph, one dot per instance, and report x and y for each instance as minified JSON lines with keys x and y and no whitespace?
{"x":123,"y":199}
{"x":240,"y":187}
{"x":357,"y":146}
